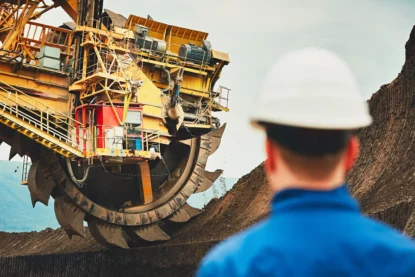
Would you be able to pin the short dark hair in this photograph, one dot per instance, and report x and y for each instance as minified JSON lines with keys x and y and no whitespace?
{"x":308,"y":142}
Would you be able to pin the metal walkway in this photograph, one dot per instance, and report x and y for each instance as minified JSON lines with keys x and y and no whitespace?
{"x":35,"y":120}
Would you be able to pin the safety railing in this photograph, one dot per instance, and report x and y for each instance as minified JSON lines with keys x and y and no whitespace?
{"x":150,"y":140}
{"x":149,"y":48}
{"x":38,"y":115}
{"x":151,"y":146}
{"x":6,"y":14}
{"x":218,"y":100}
{"x":37,"y":35}
{"x":222,"y":96}
{"x":33,"y":37}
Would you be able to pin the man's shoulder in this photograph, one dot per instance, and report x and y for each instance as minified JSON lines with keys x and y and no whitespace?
{"x":237,"y":243}
{"x":380,"y":233}
{"x":231,"y":253}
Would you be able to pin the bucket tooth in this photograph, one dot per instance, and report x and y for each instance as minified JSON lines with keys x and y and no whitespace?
{"x":185,"y":213}
{"x":13,"y":152}
{"x":40,"y":182}
{"x":70,"y":217}
{"x":107,"y":234}
{"x":151,"y":232}
{"x":208,"y":180}
{"x":215,"y":138}
{"x":16,"y":146}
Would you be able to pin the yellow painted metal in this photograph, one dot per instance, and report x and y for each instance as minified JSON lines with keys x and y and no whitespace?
{"x":147,"y":190}
{"x":51,"y":89}
{"x":149,"y":96}
{"x":97,"y":77}
{"x":220,"y":56}
{"x":156,"y":29}
{"x":183,"y":90}
{"x":179,"y":36}
{"x":174,"y":35}
{"x":34,"y":121}
{"x":110,"y":80}
{"x":126,"y":33}
{"x":100,"y":61}
{"x":174,"y":66}
{"x":127,"y":101}
{"x":29,"y":9}
{"x":204,"y":126}
{"x":70,"y":7}
{"x":105,"y":33}
{"x":7,"y":20}
{"x":44,"y":138}
{"x":219,"y":107}
{"x":113,"y":108}
{"x":126,"y":153}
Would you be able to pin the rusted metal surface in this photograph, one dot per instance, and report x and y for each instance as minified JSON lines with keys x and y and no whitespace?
{"x":185,"y":213}
{"x":69,"y":216}
{"x":209,"y":179}
{"x":40,"y":182}
{"x":151,"y":232}
{"x":109,"y":235}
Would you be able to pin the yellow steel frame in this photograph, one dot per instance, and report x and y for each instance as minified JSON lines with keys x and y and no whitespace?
{"x":147,"y":155}
{"x":107,"y":84}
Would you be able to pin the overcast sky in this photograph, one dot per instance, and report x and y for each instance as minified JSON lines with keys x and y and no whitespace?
{"x":369,"y":34}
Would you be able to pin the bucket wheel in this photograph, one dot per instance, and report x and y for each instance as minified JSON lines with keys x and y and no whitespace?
{"x":132,"y":200}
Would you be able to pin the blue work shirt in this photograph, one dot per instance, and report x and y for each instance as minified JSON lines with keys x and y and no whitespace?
{"x":313,"y":233}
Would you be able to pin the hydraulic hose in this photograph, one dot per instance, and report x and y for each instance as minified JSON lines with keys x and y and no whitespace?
{"x":169,"y":81}
{"x":76,"y":181}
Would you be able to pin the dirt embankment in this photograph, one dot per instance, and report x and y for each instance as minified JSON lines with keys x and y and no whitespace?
{"x":384,"y":177}
{"x":51,"y":253}
{"x":244,"y":205}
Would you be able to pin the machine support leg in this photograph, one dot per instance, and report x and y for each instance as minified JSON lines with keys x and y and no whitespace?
{"x":146,"y":182}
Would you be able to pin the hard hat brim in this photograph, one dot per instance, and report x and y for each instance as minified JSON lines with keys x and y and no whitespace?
{"x":311,"y":123}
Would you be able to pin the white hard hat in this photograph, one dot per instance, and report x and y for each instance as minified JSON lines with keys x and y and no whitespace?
{"x":311,"y":88}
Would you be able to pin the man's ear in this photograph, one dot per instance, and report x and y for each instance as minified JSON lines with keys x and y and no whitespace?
{"x":270,"y":162}
{"x":352,"y":152}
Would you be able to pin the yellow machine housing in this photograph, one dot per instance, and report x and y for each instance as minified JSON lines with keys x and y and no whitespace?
{"x":111,"y":96}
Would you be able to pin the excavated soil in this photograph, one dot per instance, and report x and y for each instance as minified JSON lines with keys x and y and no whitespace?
{"x":384,"y":176}
{"x":383,"y":181}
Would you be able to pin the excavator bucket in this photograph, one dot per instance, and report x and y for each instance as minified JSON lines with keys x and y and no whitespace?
{"x":151,"y":233}
{"x":40,"y":183}
{"x":208,"y":180}
{"x":216,"y":138}
{"x":69,"y":216}
{"x":109,"y":235}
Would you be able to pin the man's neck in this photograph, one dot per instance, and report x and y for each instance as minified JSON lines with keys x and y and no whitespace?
{"x":295,"y":182}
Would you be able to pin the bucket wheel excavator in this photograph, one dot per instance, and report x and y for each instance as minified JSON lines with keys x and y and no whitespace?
{"x":113,"y":116}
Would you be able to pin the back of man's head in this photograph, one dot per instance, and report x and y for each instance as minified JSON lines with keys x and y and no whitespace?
{"x":311,"y":153}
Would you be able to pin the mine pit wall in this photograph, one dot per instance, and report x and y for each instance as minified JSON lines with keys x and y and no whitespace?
{"x":172,"y":260}
{"x":383,"y":179}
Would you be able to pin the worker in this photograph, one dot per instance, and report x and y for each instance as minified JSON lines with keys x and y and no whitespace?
{"x":308,"y":108}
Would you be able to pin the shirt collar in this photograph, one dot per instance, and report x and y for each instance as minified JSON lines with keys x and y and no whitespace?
{"x":302,"y":199}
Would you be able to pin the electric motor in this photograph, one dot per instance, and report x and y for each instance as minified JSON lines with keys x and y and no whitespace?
{"x":195,"y":54}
